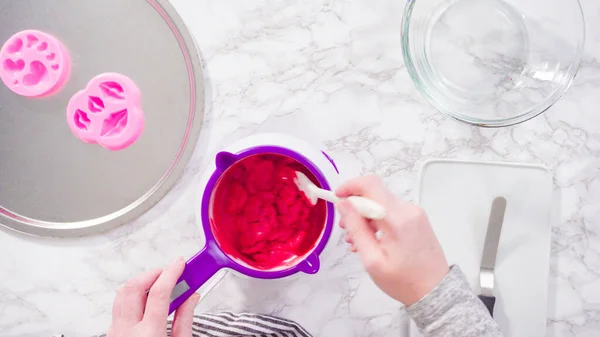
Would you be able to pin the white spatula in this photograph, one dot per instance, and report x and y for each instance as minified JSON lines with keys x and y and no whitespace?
{"x":365,"y":207}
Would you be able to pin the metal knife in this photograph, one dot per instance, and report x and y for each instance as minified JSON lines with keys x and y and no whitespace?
{"x":490,"y":250}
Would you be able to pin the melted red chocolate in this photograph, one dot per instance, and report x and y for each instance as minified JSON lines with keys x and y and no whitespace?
{"x":260,"y":217}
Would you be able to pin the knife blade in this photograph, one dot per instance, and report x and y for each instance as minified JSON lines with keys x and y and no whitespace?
{"x":490,"y":251}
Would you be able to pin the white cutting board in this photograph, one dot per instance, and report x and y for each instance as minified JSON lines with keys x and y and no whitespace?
{"x":458,"y":195}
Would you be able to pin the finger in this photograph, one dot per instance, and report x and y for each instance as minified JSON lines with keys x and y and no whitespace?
{"x":372,"y":187}
{"x":348,"y":239}
{"x":184,"y":317}
{"x":372,"y":225}
{"x":362,"y":235}
{"x":131,"y":298}
{"x":368,"y":186}
{"x":157,"y":307}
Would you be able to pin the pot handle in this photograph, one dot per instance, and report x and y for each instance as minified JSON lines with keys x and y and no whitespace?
{"x":311,"y":264}
{"x":199,"y":269}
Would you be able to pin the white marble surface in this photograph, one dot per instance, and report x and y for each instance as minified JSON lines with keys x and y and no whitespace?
{"x":332,"y":72}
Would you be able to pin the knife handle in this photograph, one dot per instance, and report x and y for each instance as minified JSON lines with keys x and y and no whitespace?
{"x":489,"y":302}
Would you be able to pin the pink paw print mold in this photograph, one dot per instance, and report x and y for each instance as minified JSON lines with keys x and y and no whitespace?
{"x":107,"y":112}
{"x":34,"y":64}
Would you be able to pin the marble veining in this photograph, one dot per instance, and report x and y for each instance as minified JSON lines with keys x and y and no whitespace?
{"x":331,"y":72}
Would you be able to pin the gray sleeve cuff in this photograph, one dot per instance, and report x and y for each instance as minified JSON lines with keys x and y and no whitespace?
{"x":440,"y":299}
{"x":451,"y":309}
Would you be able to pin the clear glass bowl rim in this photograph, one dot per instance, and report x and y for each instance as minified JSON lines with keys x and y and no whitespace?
{"x":523,"y":117}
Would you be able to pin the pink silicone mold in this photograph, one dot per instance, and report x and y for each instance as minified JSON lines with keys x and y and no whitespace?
{"x":107,"y":112}
{"x":34,"y":64}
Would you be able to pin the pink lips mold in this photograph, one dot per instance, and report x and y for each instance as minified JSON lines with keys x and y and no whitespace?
{"x":107,"y":112}
{"x":34,"y":64}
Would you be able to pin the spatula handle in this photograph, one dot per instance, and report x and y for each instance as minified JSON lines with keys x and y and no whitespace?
{"x":489,"y":302}
{"x":367,"y":208}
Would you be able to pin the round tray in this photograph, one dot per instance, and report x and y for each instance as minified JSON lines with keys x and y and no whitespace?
{"x":53,"y":184}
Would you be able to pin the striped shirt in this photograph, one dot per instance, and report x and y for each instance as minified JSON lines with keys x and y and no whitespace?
{"x":227,"y":324}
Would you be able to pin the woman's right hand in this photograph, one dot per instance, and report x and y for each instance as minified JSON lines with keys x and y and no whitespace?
{"x":406,"y":261}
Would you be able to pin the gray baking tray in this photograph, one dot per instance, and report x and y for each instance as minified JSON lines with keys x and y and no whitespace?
{"x":53,"y":184}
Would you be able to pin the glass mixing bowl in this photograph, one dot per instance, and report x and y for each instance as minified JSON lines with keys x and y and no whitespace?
{"x":492,"y":62}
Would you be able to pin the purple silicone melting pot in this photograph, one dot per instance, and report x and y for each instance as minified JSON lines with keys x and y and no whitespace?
{"x":202,"y":266}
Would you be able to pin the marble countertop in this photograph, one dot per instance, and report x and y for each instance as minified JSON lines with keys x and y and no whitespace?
{"x":279,"y":66}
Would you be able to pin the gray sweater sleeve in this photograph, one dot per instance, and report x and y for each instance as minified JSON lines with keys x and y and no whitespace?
{"x":451,"y":309}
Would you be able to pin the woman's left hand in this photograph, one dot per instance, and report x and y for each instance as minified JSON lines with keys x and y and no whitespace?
{"x":139,"y":313}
